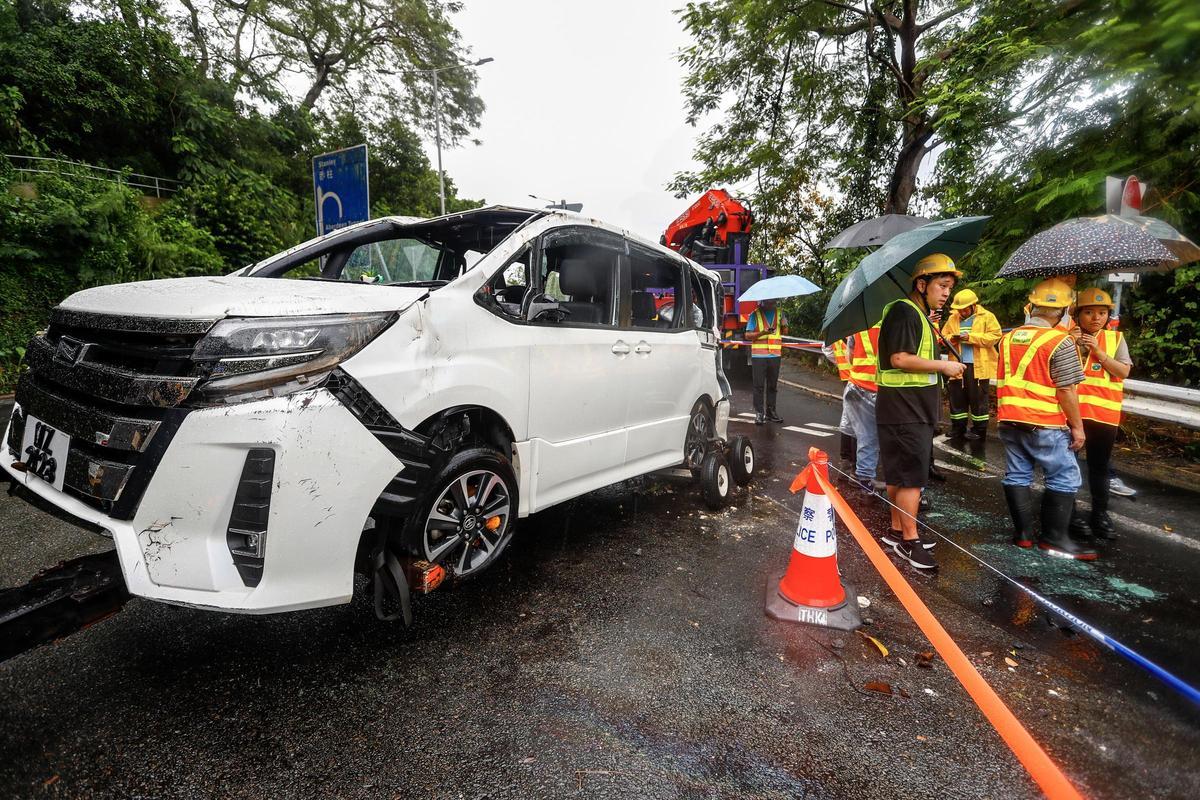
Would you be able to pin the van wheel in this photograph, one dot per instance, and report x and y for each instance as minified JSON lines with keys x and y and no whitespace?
{"x":741,"y":459}
{"x":699,"y":434}
{"x":467,"y":517}
{"x":715,"y":481}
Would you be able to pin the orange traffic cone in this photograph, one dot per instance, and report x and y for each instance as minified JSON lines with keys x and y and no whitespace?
{"x":811,"y":591}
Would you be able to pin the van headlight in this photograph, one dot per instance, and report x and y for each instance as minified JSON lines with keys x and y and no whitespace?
{"x":250,"y":358}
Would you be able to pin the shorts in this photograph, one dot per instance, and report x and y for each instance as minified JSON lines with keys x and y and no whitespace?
{"x":904,"y":451}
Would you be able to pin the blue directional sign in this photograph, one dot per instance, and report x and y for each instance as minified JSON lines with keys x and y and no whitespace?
{"x":340,"y":188}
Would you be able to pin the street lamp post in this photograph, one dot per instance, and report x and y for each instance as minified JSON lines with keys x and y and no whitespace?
{"x":437,"y":123}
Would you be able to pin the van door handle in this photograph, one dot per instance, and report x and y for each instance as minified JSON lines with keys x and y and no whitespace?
{"x":620,"y":348}
{"x":642,"y":347}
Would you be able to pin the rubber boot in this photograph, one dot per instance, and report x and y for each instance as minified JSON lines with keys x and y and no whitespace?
{"x":1056,"y":518}
{"x":958,"y":428}
{"x":1078,"y":528}
{"x":1020,"y":506}
{"x":979,"y":428}
{"x":1101,"y":524}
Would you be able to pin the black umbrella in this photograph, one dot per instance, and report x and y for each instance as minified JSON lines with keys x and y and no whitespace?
{"x":1087,"y":245}
{"x":874,"y":232}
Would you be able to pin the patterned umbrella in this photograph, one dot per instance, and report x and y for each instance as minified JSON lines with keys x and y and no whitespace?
{"x":1086,"y":245}
{"x":875,"y":231}
{"x":1184,"y":249}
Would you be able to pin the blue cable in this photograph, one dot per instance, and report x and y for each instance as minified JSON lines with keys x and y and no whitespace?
{"x":1172,"y":680}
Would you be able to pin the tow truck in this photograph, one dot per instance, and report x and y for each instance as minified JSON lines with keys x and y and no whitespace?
{"x":715,"y":231}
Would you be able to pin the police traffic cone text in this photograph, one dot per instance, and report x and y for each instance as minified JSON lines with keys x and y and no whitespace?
{"x":811,"y":591}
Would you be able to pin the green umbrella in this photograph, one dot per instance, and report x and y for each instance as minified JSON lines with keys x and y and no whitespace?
{"x":886,"y":275}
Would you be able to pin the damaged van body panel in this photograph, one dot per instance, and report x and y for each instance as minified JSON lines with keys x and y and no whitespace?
{"x":389,"y":398}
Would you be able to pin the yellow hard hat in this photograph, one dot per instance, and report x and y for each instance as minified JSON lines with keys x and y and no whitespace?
{"x":964,"y":299}
{"x":1052,"y":293}
{"x":1093,"y":296}
{"x":935,"y":264}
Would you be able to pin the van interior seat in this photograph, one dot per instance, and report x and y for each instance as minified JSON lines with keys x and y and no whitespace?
{"x":587,"y":284}
{"x":644,"y":311}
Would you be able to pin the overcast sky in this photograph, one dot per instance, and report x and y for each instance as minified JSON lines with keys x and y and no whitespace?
{"x":583,"y":103}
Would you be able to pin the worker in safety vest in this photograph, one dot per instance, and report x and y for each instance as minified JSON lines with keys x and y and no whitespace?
{"x":858,"y":402}
{"x":974,"y":331}
{"x":1106,"y":365}
{"x":765,"y":331}
{"x":909,"y":399}
{"x":839,"y":354}
{"x":1067,"y":323}
{"x":1037,"y":405}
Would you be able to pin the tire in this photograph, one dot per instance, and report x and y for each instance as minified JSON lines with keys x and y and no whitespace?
{"x":696,"y":442}
{"x":741,"y":459}
{"x":451,"y":528}
{"x":716,"y":482}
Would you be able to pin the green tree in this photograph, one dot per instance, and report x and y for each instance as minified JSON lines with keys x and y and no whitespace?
{"x":829,"y":109}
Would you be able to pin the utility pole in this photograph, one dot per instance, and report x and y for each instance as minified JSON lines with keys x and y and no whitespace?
{"x":437,"y":122}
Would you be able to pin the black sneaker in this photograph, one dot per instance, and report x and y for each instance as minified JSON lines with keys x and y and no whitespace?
{"x":927,"y":540}
{"x":915,"y":554}
{"x":774,"y":417}
{"x":894,"y":537}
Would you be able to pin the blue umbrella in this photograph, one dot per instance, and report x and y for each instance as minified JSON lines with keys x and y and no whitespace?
{"x":885,"y":275}
{"x":778,"y":287}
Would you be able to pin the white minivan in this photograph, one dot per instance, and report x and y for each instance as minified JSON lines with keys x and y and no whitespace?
{"x":388,"y":398}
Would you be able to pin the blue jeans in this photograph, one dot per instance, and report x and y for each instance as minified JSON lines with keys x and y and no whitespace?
{"x":844,"y":425}
{"x":859,"y":405}
{"x":1048,"y":448}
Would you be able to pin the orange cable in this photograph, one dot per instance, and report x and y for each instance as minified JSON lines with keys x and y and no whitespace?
{"x":1035,"y":760}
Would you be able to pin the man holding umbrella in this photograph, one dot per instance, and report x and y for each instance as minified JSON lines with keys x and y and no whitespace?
{"x":765,"y":331}
{"x":909,"y":399}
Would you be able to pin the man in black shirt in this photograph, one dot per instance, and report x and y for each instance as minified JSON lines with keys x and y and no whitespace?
{"x":909,"y":398}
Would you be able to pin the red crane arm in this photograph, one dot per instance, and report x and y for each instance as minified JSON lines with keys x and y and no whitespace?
{"x":711,"y":219}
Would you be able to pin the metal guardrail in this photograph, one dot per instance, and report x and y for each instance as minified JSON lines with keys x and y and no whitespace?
{"x":1174,"y":404}
{"x":76,"y":169}
{"x":1177,"y":405}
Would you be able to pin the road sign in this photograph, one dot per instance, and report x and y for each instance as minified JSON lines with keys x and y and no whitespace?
{"x":340,"y":188}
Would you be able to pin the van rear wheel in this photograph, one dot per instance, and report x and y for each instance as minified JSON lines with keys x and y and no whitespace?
{"x":468,"y":516}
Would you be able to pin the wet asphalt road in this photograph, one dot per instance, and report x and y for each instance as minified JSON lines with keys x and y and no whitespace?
{"x":620,"y":650}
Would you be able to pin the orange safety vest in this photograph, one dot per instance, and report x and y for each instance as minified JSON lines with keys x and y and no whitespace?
{"x":863,"y":359}
{"x":1025,"y":392}
{"x":772,"y":343}
{"x":841,"y":357}
{"x":1100,"y":393}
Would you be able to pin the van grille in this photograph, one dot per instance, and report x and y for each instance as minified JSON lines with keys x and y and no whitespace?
{"x":114,"y":384}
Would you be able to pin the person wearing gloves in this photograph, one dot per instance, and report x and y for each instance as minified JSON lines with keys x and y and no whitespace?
{"x":974,"y":331}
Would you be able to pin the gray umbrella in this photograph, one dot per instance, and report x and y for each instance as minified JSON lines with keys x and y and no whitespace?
{"x":886,"y":274}
{"x":1087,"y":245}
{"x":874,"y":232}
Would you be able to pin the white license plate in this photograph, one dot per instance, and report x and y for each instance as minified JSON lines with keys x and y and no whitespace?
{"x":44,"y":451}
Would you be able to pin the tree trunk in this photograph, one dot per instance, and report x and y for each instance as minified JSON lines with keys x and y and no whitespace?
{"x":916,"y":132}
{"x":904,"y":175}
{"x":318,"y":86}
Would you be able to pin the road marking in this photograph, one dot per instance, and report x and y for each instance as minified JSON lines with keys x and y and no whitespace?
{"x":822,"y":426}
{"x":809,"y":431}
{"x":746,"y":414}
{"x":974,"y":473}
